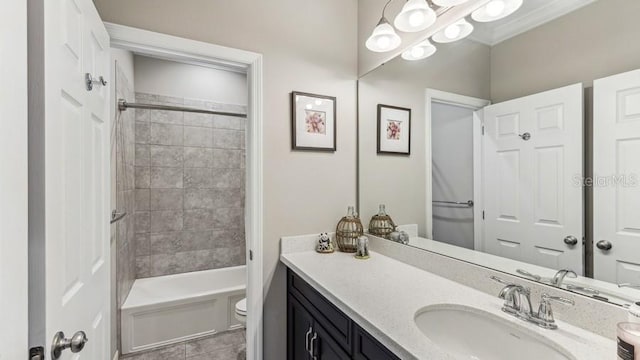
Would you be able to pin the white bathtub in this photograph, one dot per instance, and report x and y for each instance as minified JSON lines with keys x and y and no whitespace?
{"x":172,"y":308}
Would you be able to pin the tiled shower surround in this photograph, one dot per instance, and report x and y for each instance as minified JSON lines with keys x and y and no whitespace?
{"x":189,"y":180}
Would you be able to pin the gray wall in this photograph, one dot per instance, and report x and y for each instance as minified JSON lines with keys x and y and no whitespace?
{"x":399,"y":181}
{"x":171,"y":78}
{"x":595,"y":41}
{"x":307,"y":46}
{"x":189,"y":179}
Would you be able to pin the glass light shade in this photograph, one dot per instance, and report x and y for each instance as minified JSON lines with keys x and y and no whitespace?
{"x":420,"y":51}
{"x":447,"y":3}
{"x":454,"y":32}
{"x":496,"y":10}
{"x":416,"y":15}
{"x":383,"y":38}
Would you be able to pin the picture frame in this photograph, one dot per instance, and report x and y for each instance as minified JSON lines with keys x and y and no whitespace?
{"x":394,"y":130}
{"x":313,"y":122}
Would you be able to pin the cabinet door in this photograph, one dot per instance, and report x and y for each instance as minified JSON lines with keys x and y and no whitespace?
{"x":368,"y":348}
{"x":324,"y":347}
{"x":299,"y":329}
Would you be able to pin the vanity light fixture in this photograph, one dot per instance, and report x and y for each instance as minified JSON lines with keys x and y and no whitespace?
{"x":495,"y":10}
{"x":384,"y":37}
{"x":447,"y":3}
{"x":454,"y":32}
{"x":420,"y":51}
{"x":416,"y":15}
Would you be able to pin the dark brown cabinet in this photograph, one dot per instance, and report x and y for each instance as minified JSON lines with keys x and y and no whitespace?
{"x":317,"y":330}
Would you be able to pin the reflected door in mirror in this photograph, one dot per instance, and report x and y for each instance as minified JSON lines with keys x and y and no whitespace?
{"x":532,"y":154}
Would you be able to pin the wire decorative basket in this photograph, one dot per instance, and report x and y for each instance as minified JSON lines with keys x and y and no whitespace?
{"x":348,"y":230}
{"x":381,"y":224}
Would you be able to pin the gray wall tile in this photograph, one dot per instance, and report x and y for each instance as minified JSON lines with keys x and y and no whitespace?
{"x":198,"y":157}
{"x":166,"y":199}
{"x":165,"y":178}
{"x":199,"y":219}
{"x":228,"y":139}
{"x":142,"y":244}
{"x":165,"y":134}
{"x":142,"y":155}
{"x":228,"y":122}
{"x":142,"y":199}
{"x":228,"y":178}
{"x":198,"y":199}
{"x":168,"y":156}
{"x":198,"y":178}
{"x":228,"y":218}
{"x":198,"y":136}
{"x":166,"y":220}
{"x":142,"y":132}
{"x":189,"y":175}
{"x":142,"y":177}
{"x":227,"y":159}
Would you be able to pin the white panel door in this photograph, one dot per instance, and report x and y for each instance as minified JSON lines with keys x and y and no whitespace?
{"x":616,"y":168}
{"x":77,"y":176}
{"x":13,"y":181}
{"x":532,"y":151}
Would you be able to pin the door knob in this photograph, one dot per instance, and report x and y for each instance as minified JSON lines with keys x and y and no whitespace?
{"x":60,"y":343}
{"x":526,"y":136}
{"x":604,"y":245}
{"x":571,"y":240}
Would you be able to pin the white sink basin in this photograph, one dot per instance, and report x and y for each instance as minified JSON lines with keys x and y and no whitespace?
{"x":473,"y":334}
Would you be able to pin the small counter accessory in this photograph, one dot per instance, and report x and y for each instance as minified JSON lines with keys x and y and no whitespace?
{"x":628,"y":341}
{"x":324,"y":246}
{"x":362,"y":251}
{"x":348,"y":230}
{"x":381,"y":224}
{"x":401,"y":237}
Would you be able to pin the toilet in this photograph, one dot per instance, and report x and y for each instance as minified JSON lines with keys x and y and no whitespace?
{"x":241,"y":311}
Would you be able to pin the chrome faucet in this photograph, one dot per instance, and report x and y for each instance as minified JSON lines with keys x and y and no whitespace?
{"x":558,"y":278}
{"x":517,"y":302}
{"x":545,"y":313}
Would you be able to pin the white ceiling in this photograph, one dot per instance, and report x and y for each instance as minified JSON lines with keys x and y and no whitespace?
{"x":533,"y":13}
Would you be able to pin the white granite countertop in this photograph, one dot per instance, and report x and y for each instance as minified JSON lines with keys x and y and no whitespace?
{"x":383,"y":295}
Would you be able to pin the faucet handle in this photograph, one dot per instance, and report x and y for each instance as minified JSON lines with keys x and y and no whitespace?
{"x":545,"y":313}
{"x":560,"y":299}
{"x":500,"y":280}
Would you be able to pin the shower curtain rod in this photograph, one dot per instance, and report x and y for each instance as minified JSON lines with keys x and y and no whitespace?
{"x":123,"y":106}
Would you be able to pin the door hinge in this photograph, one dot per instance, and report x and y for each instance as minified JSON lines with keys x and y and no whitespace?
{"x":482,"y":129}
{"x":36,"y":353}
{"x":482,"y":214}
{"x":250,"y":255}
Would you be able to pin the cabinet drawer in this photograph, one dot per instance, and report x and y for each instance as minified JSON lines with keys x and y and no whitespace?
{"x":368,"y":348}
{"x":330,"y":317}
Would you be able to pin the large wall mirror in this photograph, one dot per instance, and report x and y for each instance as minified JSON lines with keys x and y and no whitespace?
{"x":524,"y":151}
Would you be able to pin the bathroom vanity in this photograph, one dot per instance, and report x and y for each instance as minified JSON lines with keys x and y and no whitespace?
{"x":318,"y":329}
{"x":382,"y":308}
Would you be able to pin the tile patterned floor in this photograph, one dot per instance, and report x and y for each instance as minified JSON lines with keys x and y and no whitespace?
{"x":230,"y":345}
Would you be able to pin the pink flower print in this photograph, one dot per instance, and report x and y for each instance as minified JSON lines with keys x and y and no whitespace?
{"x":315,"y":121}
{"x":393,"y":130}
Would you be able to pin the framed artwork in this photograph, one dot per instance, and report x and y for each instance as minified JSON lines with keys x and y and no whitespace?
{"x":313,"y":122}
{"x":394,"y":130}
